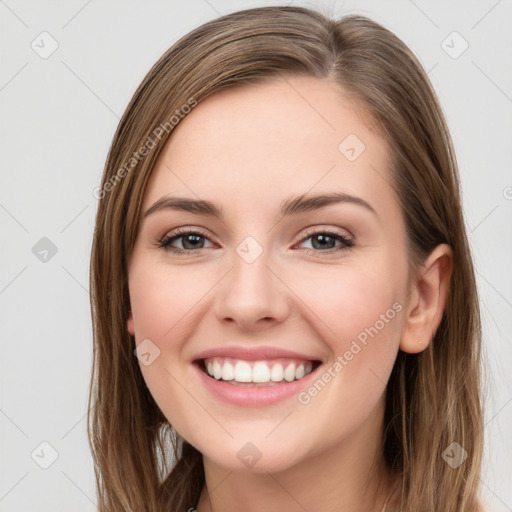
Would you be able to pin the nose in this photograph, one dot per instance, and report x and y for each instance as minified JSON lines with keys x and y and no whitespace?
{"x":252,"y":296}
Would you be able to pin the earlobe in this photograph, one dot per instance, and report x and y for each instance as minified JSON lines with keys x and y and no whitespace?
{"x":428,"y":297}
{"x":129,"y":324}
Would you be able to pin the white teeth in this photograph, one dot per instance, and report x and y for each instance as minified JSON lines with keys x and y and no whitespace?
{"x":228,"y":372}
{"x":289,"y":373}
{"x":276,"y":374}
{"x":243,"y":372}
{"x":258,"y":372}
{"x":217,"y":370}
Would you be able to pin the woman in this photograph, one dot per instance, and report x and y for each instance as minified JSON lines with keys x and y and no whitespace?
{"x":341,"y":375}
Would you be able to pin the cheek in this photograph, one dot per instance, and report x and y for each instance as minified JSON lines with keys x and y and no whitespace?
{"x":358,"y":313}
{"x":164,"y":304}
{"x":351,"y":300}
{"x":348,"y":309}
{"x":162,"y":301}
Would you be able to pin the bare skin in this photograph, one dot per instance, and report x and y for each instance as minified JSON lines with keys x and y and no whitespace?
{"x":247,"y":150}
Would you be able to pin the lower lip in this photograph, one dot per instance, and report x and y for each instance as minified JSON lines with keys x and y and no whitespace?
{"x":248,"y":396}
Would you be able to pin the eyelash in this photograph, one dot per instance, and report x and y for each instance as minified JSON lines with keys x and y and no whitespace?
{"x":165,"y":242}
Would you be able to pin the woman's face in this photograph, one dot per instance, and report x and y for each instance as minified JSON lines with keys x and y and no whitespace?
{"x":267,"y":284}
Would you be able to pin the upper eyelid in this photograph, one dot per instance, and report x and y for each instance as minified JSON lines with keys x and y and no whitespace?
{"x":310,"y":231}
{"x":319,"y":229}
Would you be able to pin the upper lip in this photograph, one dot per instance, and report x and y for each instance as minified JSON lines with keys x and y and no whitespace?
{"x":253,"y":353}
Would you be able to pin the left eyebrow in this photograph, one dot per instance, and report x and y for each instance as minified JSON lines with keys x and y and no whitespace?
{"x":304,"y":203}
{"x":291,"y":206}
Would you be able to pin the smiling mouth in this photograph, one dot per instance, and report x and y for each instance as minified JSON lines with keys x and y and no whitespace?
{"x":239,"y":372}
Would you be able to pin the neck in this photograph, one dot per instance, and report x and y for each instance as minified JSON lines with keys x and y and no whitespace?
{"x":351,"y":476}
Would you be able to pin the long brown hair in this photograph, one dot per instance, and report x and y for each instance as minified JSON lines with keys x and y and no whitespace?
{"x":433,"y":398}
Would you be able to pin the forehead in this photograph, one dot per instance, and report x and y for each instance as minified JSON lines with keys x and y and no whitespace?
{"x":257,"y":144}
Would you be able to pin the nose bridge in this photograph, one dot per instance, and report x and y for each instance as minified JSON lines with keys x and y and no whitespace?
{"x":251,"y":291}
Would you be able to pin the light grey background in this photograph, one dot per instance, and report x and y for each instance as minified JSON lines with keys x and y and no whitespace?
{"x":58,"y":117}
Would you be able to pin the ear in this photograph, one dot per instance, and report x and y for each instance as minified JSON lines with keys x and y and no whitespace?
{"x":130,"y":325}
{"x":428,"y":295}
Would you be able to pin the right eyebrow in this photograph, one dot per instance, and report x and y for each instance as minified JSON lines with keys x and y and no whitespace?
{"x":196,"y":206}
{"x":291,"y":206}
